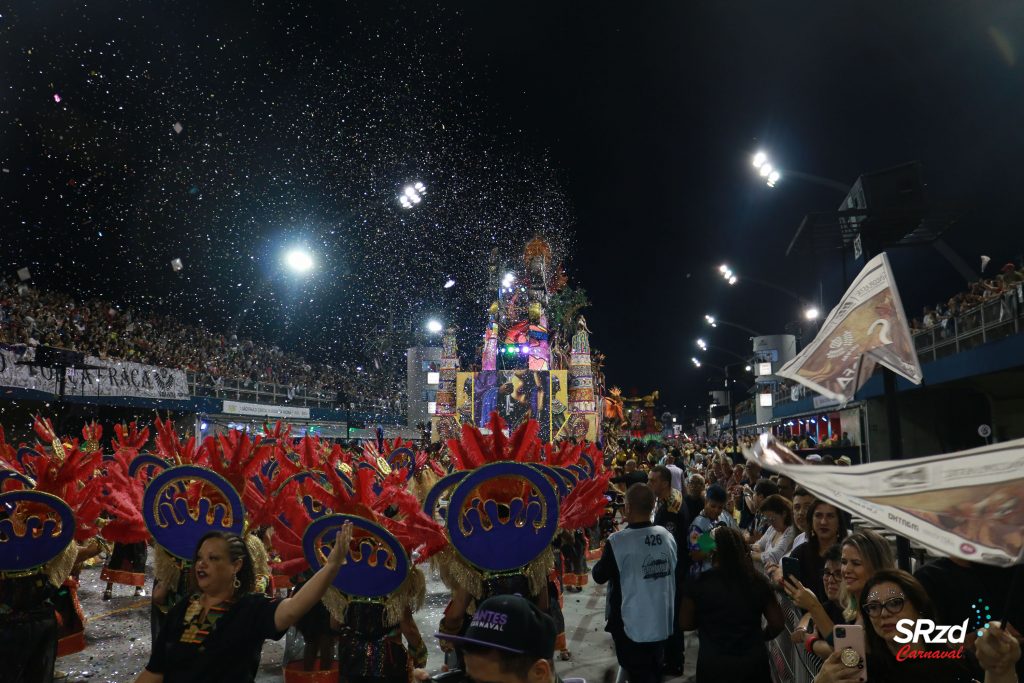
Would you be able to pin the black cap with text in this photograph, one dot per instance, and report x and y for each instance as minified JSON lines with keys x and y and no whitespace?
{"x":510,"y":623}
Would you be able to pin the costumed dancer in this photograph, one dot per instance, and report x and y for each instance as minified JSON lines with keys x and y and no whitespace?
{"x":502,"y":516}
{"x":71,"y":472}
{"x":310,"y":650}
{"x":198,"y":515}
{"x":37,"y":552}
{"x":236,"y":459}
{"x":373,"y":599}
{"x":127,"y":562}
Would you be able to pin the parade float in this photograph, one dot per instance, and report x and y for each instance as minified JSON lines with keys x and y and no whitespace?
{"x":536,"y":361}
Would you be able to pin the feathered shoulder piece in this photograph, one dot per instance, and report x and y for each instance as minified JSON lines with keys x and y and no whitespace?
{"x":476,"y":449}
{"x":62,"y":469}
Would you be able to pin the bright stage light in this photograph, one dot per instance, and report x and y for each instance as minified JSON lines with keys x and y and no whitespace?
{"x":434,"y":326}
{"x":299,"y":260}
{"x":811,"y":313}
{"x":760,"y":159}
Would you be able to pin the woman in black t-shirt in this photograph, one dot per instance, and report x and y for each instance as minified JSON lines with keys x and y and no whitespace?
{"x":726,"y":605}
{"x":217,"y":634}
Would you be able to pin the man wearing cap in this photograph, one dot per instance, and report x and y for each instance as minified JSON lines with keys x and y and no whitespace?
{"x":509,"y":640}
{"x":639,"y":562}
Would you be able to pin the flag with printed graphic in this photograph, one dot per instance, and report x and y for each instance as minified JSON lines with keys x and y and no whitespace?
{"x":867,"y":328}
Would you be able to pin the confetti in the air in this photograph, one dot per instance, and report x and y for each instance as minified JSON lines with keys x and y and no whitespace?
{"x":178,"y":127}
{"x":24,"y":274}
{"x":56,"y":97}
{"x":176,"y":264}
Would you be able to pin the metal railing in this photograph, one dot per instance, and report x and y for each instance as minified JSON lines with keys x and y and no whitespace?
{"x":250,"y":391}
{"x":989,"y":321}
{"x":790,"y":663}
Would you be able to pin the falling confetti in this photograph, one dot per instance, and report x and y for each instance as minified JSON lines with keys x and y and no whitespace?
{"x":290,"y":141}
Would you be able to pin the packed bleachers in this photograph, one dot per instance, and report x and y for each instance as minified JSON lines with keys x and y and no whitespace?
{"x":35,"y":317}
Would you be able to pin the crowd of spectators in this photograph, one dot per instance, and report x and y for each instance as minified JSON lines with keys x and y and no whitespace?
{"x":981,"y":291}
{"x":753,"y":534}
{"x":35,"y":317}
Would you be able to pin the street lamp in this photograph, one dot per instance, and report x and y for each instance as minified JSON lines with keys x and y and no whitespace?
{"x":811,"y":313}
{"x":434,"y":326}
{"x":696,"y":363}
{"x":727,"y":274}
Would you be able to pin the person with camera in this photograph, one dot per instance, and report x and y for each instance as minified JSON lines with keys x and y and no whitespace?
{"x":509,"y":640}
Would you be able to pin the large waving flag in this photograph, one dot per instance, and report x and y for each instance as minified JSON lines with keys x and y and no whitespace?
{"x":866,"y":328}
{"x":968,"y":504}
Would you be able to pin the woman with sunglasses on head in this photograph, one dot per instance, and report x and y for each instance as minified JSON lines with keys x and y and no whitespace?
{"x":826,"y":526}
{"x":892,"y":595}
{"x":217,"y":634}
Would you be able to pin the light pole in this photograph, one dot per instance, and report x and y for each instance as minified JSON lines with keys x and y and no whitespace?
{"x":772,"y":174}
{"x":728,"y":390}
{"x":715,"y":322}
{"x":810,"y":311}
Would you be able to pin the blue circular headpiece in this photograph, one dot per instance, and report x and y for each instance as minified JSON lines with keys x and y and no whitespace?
{"x":37,"y":528}
{"x":554,"y":477}
{"x":376,"y":565}
{"x":147,"y":462}
{"x":439,"y":489}
{"x":403,"y":456}
{"x":587,"y":463}
{"x":177,"y":523}
{"x":580,"y":472}
{"x":502,"y":535}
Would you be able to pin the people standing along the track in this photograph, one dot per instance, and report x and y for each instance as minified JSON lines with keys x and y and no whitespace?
{"x":670,"y":513}
{"x":217,"y":634}
{"x":714,"y":514}
{"x":826,"y":527}
{"x":725,"y":604}
{"x":640,"y":563}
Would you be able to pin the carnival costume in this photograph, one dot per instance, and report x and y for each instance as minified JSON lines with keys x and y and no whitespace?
{"x":127,"y":529}
{"x":376,"y":592}
{"x":505,"y":507}
{"x":50,"y":501}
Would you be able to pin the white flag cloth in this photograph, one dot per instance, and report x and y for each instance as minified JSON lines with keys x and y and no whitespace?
{"x":867,"y":327}
{"x":968,"y":504}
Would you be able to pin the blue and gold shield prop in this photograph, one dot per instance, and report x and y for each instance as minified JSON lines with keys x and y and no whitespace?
{"x":554,"y":477}
{"x":439,"y":490}
{"x":499,"y":535}
{"x":182,"y":504}
{"x":403,"y":457}
{"x":376,"y":563}
{"x":37,"y":528}
{"x":27,"y":457}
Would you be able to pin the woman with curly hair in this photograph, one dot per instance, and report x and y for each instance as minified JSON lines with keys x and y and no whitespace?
{"x":725,"y":605}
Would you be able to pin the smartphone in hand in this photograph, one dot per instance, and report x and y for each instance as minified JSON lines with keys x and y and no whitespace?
{"x":791,"y":567}
{"x":849,"y":641}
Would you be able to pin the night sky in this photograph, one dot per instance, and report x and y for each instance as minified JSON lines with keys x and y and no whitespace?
{"x":622,"y":132}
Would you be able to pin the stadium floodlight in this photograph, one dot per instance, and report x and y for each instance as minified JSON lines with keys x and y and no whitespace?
{"x":765,"y":170}
{"x":434,"y":326}
{"x":412,"y":195}
{"x":299,"y":260}
{"x":812,"y":313}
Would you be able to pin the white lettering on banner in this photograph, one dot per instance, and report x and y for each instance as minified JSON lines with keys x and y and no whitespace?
{"x":107,"y":378}
{"x":259,"y":410}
